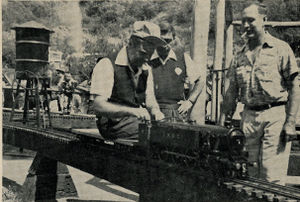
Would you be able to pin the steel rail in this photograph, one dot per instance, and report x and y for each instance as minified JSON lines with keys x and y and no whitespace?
{"x":272,"y":192}
{"x":268,"y":188}
{"x":39,"y":131}
{"x":275,"y":185}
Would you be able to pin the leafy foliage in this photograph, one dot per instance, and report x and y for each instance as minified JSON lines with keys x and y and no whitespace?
{"x":106,"y":24}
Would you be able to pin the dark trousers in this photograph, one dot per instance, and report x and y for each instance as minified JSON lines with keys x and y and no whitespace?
{"x":113,"y":128}
{"x":171,"y":112}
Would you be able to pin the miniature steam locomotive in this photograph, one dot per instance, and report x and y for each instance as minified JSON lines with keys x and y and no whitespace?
{"x":187,"y":145}
{"x":215,"y":148}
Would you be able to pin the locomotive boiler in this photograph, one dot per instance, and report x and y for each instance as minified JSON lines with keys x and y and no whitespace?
{"x":212,"y":147}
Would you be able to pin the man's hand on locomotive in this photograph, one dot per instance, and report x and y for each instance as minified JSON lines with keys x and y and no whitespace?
{"x":157,"y":114}
{"x":185,"y":106}
{"x":141,"y":113}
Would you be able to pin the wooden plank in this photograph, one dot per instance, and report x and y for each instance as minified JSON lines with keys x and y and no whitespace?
{"x":218,"y":60}
{"x":229,"y":46}
{"x":94,"y":133}
{"x":200,"y":31}
{"x":274,"y":23}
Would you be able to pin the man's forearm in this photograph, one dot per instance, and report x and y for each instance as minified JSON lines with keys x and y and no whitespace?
{"x":228,"y":105}
{"x":151,"y":103}
{"x":111,"y":110}
{"x":293,"y":103}
{"x":196,"y":91}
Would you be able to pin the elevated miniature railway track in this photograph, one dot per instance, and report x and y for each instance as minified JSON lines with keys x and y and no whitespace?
{"x":124,"y":163}
{"x":261,"y":189}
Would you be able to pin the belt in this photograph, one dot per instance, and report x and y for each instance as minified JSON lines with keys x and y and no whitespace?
{"x":266,"y":106}
{"x":168,"y":106}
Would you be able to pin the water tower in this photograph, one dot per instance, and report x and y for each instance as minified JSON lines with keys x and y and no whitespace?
{"x":32,"y":53}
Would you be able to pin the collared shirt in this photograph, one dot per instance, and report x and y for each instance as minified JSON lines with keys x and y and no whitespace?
{"x":192,"y":73}
{"x":262,"y":75}
{"x":103,"y":77}
{"x":171,"y":55}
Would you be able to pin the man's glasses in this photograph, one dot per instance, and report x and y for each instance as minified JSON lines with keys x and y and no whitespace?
{"x":140,"y":42}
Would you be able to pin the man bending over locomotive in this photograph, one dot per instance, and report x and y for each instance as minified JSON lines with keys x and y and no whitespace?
{"x":123,"y":87}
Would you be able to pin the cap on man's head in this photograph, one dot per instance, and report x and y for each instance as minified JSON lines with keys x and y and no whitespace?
{"x":148,"y":31}
{"x":167,"y":31}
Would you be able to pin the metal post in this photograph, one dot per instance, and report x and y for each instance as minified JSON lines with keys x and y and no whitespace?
{"x":229,"y":46}
{"x":37,"y":101}
{"x":45,"y":92}
{"x":26,"y":102}
{"x":229,"y":51}
{"x":14,"y":100}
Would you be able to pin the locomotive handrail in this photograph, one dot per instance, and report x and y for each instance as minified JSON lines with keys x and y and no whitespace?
{"x":31,"y":60}
{"x":33,"y":42}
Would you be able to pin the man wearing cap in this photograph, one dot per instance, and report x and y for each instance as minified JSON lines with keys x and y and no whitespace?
{"x":264,"y":76}
{"x":173,"y":71}
{"x":56,"y":78}
{"x":123,"y":87}
{"x":67,"y":87}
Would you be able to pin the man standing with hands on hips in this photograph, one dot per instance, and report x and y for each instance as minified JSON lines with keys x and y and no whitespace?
{"x":173,"y":71}
{"x":123,"y":87}
{"x":263,"y":75}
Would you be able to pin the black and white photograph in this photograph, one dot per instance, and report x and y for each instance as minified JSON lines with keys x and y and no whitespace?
{"x":150,"y":100}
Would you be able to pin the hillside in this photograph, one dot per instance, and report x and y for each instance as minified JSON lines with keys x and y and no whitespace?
{"x":101,"y":27}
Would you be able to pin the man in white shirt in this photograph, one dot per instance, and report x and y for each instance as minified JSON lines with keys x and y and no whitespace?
{"x":123,"y":87}
{"x":263,"y":75}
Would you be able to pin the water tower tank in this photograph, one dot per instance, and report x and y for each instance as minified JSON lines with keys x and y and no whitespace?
{"x":32,"y":49}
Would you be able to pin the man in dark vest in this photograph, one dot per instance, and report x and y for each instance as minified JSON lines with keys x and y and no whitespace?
{"x":173,"y":73}
{"x":123,"y":87}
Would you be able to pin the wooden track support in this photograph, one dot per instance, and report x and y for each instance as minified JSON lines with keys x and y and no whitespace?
{"x":47,"y":180}
{"x":32,"y":100}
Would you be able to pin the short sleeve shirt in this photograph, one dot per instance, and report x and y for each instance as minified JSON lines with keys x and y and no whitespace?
{"x":262,"y":76}
{"x":102,"y":81}
{"x":102,"y":78}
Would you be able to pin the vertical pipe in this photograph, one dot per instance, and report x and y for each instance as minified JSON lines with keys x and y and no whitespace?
{"x":218,"y":59}
{"x":229,"y":51}
{"x":229,"y":46}
{"x":229,"y":33}
{"x":44,"y":87}
{"x":37,"y":101}
{"x":200,"y":32}
{"x":14,"y":99}
{"x":26,"y":102}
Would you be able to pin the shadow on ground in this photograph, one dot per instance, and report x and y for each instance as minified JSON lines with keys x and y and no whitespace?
{"x":106,"y":186}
